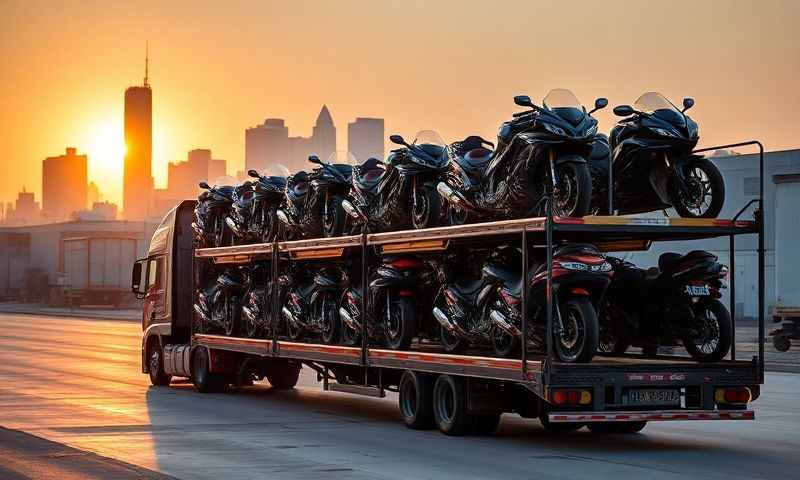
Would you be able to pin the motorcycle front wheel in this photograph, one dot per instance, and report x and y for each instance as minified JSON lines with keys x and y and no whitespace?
{"x":333,"y":218}
{"x":399,"y":321}
{"x":573,"y":193}
{"x":230,"y":321}
{"x":329,"y":318}
{"x":704,"y":194}
{"x":349,"y":337}
{"x":577,"y":341}
{"x":710,"y":337}
{"x":425,"y":206}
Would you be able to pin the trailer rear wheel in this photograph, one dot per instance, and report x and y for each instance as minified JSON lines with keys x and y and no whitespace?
{"x":616,"y":427}
{"x":283,"y":375}
{"x":155,"y":364}
{"x":415,"y":395}
{"x":450,"y":406}
{"x":204,"y":380}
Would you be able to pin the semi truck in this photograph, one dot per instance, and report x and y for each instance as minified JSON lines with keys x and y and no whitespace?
{"x":458,"y":393}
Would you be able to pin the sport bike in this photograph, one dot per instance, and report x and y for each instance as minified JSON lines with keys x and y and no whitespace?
{"x":540,"y":153}
{"x":219,"y":304}
{"x":253,"y":217}
{"x":212,"y":207}
{"x":676,"y":302}
{"x":653,"y":165}
{"x":310,"y":301}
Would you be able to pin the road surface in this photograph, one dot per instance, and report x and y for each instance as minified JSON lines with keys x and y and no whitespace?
{"x":77,"y":382}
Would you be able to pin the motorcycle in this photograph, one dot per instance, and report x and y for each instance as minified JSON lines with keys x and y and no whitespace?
{"x":220,"y":303}
{"x":540,"y":153}
{"x":212,"y":207}
{"x":257,"y":311}
{"x":653,"y":165}
{"x":678,"y":301}
{"x":309,"y":302}
{"x":253,"y":217}
{"x":380,"y":197}
{"x":313,"y":201}
{"x":580,"y":277}
{"x":398,"y":295}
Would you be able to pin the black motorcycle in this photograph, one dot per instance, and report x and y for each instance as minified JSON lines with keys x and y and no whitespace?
{"x":653,"y":165}
{"x":257,"y":309}
{"x":253,"y":217}
{"x":313,"y":205}
{"x":400,"y":291}
{"x":378,"y":198}
{"x":219,"y":304}
{"x":310,"y":301}
{"x":676,"y":302}
{"x":580,"y":277}
{"x":540,"y":153}
{"x":213,"y":205}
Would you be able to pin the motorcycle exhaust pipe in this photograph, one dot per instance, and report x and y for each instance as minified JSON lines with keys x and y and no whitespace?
{"x":201,"y":313}
{"x":448,"y":324}
{"x":283,"y":217}
{"x":351,"y":322}
{"x":249,"y":314}
{"x":234,"y":228}
{"x":291,"y":317}
{"x":452,"y":196}
{"x":499,"y":320}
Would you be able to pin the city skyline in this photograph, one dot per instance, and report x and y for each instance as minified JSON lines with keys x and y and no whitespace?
{"x":455,"y":80}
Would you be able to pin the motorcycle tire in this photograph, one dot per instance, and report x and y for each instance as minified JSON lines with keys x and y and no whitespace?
{"x":233,"y":312}
{"x":724,"y":330}
{"x":580,"y":320}
{"x":329,"y":316}
{"x":333,"y":221}
{"x":426,"y":206}
{"x":400,"y":322}
{"x":504,"y":345}
{"x":716,"y":184}
{"x":457,"y":215}
{"x":580,"y":200}
{"x":348,"y":336}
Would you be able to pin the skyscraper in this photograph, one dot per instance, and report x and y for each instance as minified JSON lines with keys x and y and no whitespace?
{"x":365,"y":138}
{"x":138,"y":179}
{"x":64,"y":185}
{"x":323,"y":138}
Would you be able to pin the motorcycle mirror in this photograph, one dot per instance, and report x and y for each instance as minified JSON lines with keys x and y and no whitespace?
{"x":253,"y":174}
{"x":523,"y":101}
{"x":688,"y":103}
{"x":623,"y":110}
{"x":204,"y":185}
{"x":314,"y":159}
{"x":398,"y":139}
{"x":601,"y":102}
{"x":351,"y":209}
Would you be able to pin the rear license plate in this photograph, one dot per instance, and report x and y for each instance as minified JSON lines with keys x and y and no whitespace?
{"x":697,"y":290}
{"x":653,"y":397}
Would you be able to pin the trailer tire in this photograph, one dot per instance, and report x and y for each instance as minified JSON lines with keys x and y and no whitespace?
{"x":284,"y":376}
{"x":155,"y":364}
{"x":203,"y":379}
{"x":450,"y":406}
{"x":623,"y":428}
{"x":415,"y":396}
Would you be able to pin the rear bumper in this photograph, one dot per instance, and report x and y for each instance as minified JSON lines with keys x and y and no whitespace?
{"x":651,"y":416}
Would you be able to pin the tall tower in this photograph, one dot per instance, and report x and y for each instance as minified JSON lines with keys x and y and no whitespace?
{"x":323,"y":138}
{"x":137,"y":186}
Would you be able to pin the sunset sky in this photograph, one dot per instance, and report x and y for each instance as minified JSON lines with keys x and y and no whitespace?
{"x":452,"y":66}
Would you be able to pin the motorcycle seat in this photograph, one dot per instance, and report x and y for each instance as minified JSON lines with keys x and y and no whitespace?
{"x":369,"y":173}
{"x":476,"y":159}
{"x":467,"y":288}
{"x":670,"y":261}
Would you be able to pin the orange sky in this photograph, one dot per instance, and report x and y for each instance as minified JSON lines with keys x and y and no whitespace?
{"x":219,"y":67}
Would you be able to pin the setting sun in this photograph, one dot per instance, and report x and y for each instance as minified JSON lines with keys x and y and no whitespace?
{"x":105,"y":146}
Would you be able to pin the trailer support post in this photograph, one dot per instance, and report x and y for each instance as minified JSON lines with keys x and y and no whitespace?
{"x":524,"y":306}
{"x":549,"y":290}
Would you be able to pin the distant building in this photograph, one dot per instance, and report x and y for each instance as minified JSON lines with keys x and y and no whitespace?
{"x":217,"y":168}
{"x":100,"y":211}
{"x":269,"y":143}
{"x":183,"y":179}
{"x":138,"y":178}
{"x":365,"y":138}
{"x":64,"y":185}
{"x":25,"y":211}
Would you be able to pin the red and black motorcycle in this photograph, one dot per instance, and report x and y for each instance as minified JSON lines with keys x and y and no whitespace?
{"x":580,"y":276}
{"x":676,"y":302}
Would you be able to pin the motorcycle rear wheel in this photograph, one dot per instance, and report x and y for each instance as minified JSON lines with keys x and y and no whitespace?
{"x":718,"y":325}
{"x":399,"y":321}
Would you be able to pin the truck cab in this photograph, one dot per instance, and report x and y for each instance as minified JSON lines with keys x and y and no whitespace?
{"x":167,"y":308}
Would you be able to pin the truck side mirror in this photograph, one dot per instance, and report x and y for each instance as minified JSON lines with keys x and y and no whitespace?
{"x":139,"y":278}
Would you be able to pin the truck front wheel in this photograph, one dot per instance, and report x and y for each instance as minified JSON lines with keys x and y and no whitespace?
{"x":155,"y":364}
{"x":204,"y":380}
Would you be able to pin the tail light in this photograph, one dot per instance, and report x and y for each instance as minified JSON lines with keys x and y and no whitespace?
{"x":407,"y":263}
{"x":733,"y":395}
{"x":406,"y":293}
{"x":580,"y":291}
{"x":571,"y":397}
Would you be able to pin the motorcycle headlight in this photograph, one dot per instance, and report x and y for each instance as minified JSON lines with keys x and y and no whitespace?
{"x":574,"y":266}
{"x":554,"y":129}
{"x":666,"y":133}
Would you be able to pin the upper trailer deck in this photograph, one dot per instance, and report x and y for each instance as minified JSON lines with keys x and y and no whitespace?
{"x":607,"y":232}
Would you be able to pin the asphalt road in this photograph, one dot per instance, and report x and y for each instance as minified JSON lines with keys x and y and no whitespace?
{"x":77,"y":382}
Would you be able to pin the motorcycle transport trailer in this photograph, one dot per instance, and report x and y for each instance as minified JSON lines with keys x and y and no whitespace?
{"x":458,"y":393}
